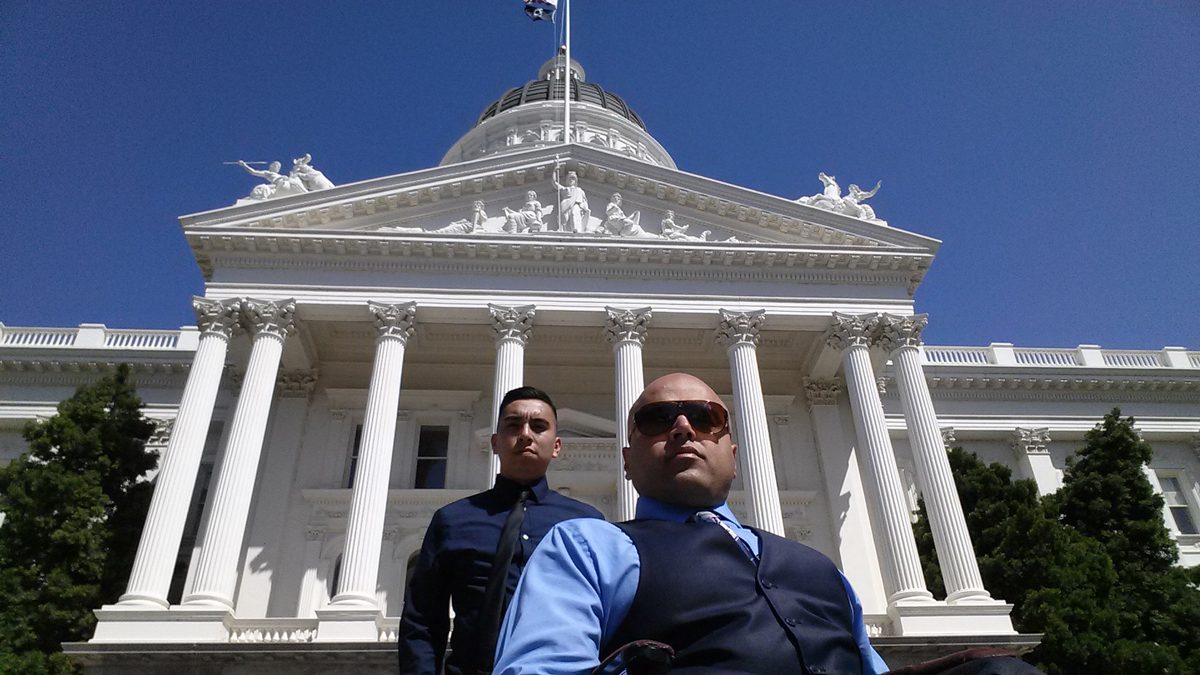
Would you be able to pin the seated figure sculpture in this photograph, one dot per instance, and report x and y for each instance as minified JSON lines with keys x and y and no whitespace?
{"x":529,"y":218}
{"x":679,"y":232}
{"x":617,"y":224}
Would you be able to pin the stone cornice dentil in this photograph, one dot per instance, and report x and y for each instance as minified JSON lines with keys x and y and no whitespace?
{"x":1030,"y":440}
{"x":269,"y":317}
{"x":511,"y":323}
{"x":851,"y":330}
{"x":627,"y":324}
{"x":740,"y":327}
{"x":894,"y":332}
{"x":217,"y":317}
{"x":393,"y":321}
{"x":822,"y":392}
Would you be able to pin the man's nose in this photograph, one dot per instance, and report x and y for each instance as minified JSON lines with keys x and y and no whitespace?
{"x":682,"y":429}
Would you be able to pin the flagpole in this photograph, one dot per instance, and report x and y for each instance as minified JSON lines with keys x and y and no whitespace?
{"x":567,"y":73}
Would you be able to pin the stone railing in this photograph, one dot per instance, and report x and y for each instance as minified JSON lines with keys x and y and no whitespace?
{"x":98,"y":336}
{"x":1083,"y":356}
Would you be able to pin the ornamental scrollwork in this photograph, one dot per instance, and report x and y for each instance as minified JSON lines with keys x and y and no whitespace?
{"x":512,"y":323}
{"x":217,"y":317}
{"x":851,"y":330}
{"x":394,"y":321}
{"x":627,"y":325}
{"x":740,"y":327}
{"x":268,"y":317}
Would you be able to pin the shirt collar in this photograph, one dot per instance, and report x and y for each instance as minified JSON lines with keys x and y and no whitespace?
{"x":510,"y":488}
{"x":649,"y":508}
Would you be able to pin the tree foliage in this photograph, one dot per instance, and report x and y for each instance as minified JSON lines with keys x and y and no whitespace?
{"x":1091,"y":567}
{"x":74,"y":505}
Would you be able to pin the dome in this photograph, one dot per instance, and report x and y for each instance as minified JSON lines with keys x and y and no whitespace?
{"x":532,"y":116}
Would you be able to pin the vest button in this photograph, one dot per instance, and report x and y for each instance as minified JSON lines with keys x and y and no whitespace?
{"x":790,"y":621}
{"x":767,"y":584}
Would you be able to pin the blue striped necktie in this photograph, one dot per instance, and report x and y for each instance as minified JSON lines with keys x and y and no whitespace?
{"x":713,"y":518}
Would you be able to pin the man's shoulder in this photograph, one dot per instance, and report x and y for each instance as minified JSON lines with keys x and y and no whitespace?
{"x":583,"y":509}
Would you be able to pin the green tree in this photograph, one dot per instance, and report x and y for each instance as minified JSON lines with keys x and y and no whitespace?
{"x":74,"y":505}
{"x":1091,"y":567}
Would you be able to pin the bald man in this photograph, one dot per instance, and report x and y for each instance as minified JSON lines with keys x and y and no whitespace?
{"x":726,"y":598}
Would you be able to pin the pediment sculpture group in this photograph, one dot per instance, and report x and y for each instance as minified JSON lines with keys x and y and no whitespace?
{"x":574,"y":216}
{"x":851,"y":204}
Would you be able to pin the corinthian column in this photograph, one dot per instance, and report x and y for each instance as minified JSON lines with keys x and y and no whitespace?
{"x":901,"y":335}
{"x":150,"y":578}
{"x":738,"y":333}
{"x":626,"y":330}
{"x":216,"y":567}
{"x":368,"y":500}
{"x":903,"y":580}
{"x":511,"y":326}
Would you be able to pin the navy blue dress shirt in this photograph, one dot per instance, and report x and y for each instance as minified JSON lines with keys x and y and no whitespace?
{"x":455,"y":560}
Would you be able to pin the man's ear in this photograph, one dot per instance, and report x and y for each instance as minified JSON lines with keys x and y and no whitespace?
{"x":557,"y":448}
{"x":733,"y":449}
{"x":494,"y":445}
{"x":625,"y":460}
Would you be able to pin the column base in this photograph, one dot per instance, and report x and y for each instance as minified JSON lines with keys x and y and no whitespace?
{"x":939,"y":618}
{"x":121,"y":623}
{"x":348,"y":624}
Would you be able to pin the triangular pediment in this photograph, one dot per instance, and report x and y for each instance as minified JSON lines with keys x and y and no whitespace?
{"x":490,"y":199}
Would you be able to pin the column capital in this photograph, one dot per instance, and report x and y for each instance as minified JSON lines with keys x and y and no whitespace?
{"x":851,"y":330}
{"x":217,"y":317}
{"x":895,"y":331}
{"x":162,"y":433}
{"x":393,"y":321}
{"x":822,"y":392}
{"x":627,"y":325}
{"x":269,"y":317}
{"x":296,"y":383}
{"x":740,"y":327}
{"x":512,"y":322}
{"x":1195,"y":442}
{"x":948,"y":438}
{"x":1031,"y":440}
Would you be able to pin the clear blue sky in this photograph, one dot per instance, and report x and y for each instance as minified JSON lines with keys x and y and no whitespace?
{"x":1052,"y":146}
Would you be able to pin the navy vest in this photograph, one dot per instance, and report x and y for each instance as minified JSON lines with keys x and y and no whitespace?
{"x":699,"y":593}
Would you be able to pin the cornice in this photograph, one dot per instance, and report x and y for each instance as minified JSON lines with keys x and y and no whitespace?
{"x":1035,"y":386}
{"x":554,"y":256}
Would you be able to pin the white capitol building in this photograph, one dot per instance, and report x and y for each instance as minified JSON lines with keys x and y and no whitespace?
{"x":352,"y":342}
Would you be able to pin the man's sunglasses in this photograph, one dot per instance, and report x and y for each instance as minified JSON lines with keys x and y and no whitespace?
{"x":706,"y":417}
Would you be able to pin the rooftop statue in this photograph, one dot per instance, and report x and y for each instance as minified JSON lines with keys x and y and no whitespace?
{"x":529,"y":217}
{"x":617,"y":224}
{"x":312,"y":178}
{"x":679,"y":232}
{"x":573,"y":211}
{"x":831,"y":199}
{"x":278,"y":185}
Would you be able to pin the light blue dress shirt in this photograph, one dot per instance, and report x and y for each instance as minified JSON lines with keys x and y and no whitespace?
{"x":578,"y":588}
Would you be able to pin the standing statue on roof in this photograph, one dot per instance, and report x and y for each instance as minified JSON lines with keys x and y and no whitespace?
{"x":573,"y":210}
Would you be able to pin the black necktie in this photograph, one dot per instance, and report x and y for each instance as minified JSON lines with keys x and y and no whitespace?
{"x":495,"y":598}
{"x":714,"y":519}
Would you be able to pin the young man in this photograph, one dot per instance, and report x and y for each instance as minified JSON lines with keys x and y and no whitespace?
{"x":725,"y":597}
{"x":462,"y":542}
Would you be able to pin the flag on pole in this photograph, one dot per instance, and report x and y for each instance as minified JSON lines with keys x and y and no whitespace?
{"x":541,"y":10}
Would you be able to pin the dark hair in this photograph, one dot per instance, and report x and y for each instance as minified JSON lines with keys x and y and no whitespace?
{"x":524,"y":394}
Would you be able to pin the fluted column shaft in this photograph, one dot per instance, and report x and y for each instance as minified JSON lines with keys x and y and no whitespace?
{"x":216,"y":566}
{"x":511,"y":326}
{"x":369,"y":494}
{"x":902,"y":575}
{"x":626,"y":330}
{"x":738,"y":332}
{"x":154,"y":563}
{"x":956,"y":557}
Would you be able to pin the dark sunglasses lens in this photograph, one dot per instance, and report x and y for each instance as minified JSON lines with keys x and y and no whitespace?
{"x":657,"y":418}
{"x":704,"y":417}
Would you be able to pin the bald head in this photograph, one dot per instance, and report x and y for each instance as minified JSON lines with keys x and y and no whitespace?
{"x":686,"y":458}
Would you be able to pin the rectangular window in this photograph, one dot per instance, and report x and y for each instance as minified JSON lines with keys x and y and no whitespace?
{"x":1176,"y":502}
{"x":432,"y":445}
{"x":352,"y":459}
